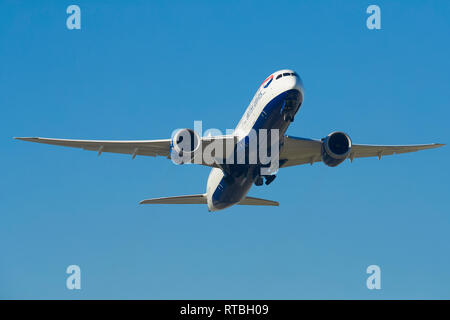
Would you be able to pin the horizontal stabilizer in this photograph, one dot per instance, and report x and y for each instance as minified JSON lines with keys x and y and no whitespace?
{"x":190,"y":199}
{"x":251,"y":201}
{"x":201,"y":199}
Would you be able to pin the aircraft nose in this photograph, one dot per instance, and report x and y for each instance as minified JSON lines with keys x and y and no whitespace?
{"x":294,"y":81}
{"x":298,"y":83}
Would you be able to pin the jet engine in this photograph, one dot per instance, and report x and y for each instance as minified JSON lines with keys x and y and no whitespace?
{"x":184,"y":145}
{"x":335,"y":148}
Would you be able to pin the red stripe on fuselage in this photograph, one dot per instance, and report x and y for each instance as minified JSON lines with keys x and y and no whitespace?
{"x":268,"y":78}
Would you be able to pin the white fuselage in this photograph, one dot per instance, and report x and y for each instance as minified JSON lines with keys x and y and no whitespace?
{"x":262,"y":110}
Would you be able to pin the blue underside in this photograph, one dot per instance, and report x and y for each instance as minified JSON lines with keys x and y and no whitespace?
{"x":230,"y":192}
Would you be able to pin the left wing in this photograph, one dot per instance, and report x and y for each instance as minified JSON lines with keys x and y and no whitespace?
{"x":133,"y":147}
{"x":297,"y":151}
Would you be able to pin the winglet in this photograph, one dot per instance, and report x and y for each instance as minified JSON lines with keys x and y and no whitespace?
{"x":32,"y":139}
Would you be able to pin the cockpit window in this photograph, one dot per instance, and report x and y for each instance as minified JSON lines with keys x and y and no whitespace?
{"x":286,"y":74}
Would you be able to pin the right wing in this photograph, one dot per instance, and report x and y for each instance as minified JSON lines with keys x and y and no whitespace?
{"x":297,"y":151}
{"x":368,"y":150}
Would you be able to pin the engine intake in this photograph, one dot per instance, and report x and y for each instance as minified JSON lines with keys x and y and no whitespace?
{"x":335,"y":148}
{"x":184,"y":145}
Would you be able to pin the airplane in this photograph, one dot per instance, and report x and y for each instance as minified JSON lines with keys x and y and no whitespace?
{"x":273,"y":107}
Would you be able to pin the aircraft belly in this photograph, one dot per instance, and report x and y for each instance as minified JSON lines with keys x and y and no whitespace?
{"x":231,"y":191}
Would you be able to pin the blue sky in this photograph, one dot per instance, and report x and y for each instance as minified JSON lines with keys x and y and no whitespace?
{"x":139,"y":69}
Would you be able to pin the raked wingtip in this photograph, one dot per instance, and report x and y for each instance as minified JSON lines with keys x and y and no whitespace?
{"x":26,"y":138}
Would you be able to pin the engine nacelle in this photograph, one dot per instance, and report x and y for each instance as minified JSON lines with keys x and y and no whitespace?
{"x":335,"y":148}
{"x":185,"y":143}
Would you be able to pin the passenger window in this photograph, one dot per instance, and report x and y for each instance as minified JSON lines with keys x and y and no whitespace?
{"x":286,"y":74}
{"x":279,"y":76}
